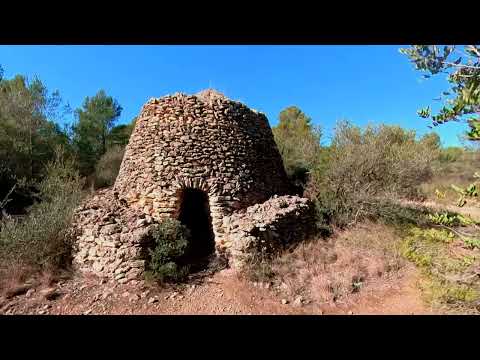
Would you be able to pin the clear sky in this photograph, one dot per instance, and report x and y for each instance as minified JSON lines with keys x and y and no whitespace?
{"x":360,"y":83}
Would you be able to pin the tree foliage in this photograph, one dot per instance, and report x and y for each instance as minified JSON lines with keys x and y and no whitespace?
{"x":95,"y":120}
{"x":462,"y":101}
{"x":29,"y":131}
{"x":42,"y":239}
{"x":463,"y":69}
{"x":298,"y":141}
{"x":120,"y":135}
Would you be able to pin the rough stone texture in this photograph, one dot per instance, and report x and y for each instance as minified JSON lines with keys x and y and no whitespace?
{"x":206,"y":142}
{"x":268,"y":227}
{"x":111,"y":237}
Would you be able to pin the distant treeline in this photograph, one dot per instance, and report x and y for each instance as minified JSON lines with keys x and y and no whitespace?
{"x":30,"y":134}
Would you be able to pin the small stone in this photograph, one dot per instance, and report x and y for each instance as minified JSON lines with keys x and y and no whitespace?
{"x":92,"y":252}
{"x":350,"y":312}
{"x":42,"y":312}
{"x":50,"y":293}
{"x":141,"y":222}
{"x":89,"y":311}
{"x":138,"y":264}
{"x":298,"y":301}
{"x":29,"y":293}
{"x":134,"y":298}
{"x":97,"y":267}
{"x":284,"y":301}
{"x":125,"y":294}
{"x":152,"y":300}
{"x":110,"y":229}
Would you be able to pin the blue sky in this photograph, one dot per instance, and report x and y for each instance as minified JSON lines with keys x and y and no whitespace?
{"x":363,"y":84}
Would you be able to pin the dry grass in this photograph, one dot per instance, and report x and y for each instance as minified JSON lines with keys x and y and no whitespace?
{"x":17,"y":279}
{"x":458,"y":172}
{"x":340,"y":268}
{"x":367,"y":166}
{"x":108,"y":166}
{"x":12,"y":279}
{"x":41,"y":241}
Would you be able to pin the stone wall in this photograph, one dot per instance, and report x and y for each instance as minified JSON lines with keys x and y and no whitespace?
{"x":114,"y":236}
{"x":205,"y":142}
{"x":268,"y":227}
{"x":111,"y":237}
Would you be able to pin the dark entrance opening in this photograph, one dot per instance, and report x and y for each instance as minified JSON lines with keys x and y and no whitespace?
{"x":195,"y":215}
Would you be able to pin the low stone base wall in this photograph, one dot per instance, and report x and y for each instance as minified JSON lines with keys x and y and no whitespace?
{"x":113,"y":236}
{"x":264,"y":229}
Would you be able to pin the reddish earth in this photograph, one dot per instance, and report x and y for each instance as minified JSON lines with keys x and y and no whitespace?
{"x":403,"y":298}
{"x":222,"y":293}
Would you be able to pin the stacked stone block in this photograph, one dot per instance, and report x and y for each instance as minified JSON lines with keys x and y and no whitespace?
{"x":202,"y":141}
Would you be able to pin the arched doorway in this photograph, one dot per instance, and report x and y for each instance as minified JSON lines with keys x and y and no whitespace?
{"x":194,"y":213}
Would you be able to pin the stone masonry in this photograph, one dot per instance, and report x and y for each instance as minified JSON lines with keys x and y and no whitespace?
{"x":265,"y":228}
{"x":205,"y":142}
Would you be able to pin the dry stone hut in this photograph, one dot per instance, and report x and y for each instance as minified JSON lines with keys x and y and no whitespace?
{"x":206,"y":160}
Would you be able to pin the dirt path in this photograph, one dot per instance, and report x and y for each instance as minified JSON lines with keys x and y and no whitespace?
{"x":403,"y":298}
{"x":223,"y":293}
{"x":471,"y":211}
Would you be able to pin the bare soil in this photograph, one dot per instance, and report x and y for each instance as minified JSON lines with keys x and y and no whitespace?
{"x":314,"y":278}
{"x":223,"y":293}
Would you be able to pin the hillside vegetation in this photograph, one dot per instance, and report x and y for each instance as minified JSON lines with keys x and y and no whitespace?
{"x":373,"y":188}
{"x":383,"y":176}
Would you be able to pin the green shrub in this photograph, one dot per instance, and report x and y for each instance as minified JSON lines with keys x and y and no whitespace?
{"x":472,"y":242}
{"x":171,"y":240}
{"x":298,"y":142}
{"x":367,"y":166}
{"x":108,"y":166}
{"x":42,"y":240}
{"x":450,"y":219}
{"x":445,"y":273}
